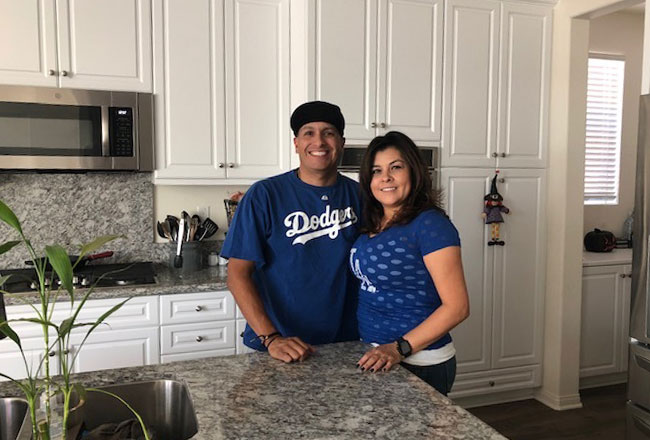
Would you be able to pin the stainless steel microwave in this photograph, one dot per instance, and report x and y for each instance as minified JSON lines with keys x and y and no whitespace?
{"x":352,"y":157}
{"x":65,"y":129}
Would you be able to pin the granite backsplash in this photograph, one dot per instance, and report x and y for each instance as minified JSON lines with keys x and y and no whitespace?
{"x":71,"y":209}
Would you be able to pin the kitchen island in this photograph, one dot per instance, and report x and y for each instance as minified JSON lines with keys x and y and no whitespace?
{"x":325,"y":397}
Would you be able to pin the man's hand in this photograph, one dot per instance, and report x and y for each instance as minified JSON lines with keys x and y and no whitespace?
{"x":289,"y":349}
{"x":380,"y":358}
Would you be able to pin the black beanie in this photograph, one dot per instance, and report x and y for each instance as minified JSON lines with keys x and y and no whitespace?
{"x":317,"y":111}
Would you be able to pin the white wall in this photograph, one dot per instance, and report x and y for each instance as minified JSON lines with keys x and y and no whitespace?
{"x":620,"y":33}
{"x":174,"y":199}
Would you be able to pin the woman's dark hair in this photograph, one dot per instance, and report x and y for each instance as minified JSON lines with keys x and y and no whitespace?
{"x":422,"y":196}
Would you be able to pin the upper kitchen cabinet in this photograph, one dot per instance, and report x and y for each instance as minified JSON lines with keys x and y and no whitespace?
{"x":221,"y":79}
{"x":380,"y":61}
{"x":497,"y":76}
{"x":100,"y":45}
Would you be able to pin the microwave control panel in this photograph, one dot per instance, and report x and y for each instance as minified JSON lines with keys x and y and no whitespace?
{"x":120,"y":132}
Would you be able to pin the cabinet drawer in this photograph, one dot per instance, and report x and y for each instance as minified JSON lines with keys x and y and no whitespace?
{"x":184,"y":338}
{"x":493,"y":381}
{"x":165,"y":359}
{"x":137,"y":312}
{"x":197,"y":307}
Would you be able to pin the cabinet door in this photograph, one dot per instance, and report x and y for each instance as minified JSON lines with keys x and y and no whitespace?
{"x":189,"y":89}
{"x":342,"y":59}
{"x":471,"y":78}
{"x":524,"y":85}
{"x":519,"y":271}
{"x":116,"y":349}
{"x":241,"y":348}
{"x":28,"y":51}
{"x":464,"y":190}
{"x":13,"y":365}
{"x":601,"y":323}
{"x":105,"y":44}
{"x":259,"y":140}
{"x":410,"y":68}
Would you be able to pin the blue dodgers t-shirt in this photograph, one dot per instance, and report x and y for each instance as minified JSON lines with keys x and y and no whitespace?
{"x":299,"y":237}
{"x":397,"y":292}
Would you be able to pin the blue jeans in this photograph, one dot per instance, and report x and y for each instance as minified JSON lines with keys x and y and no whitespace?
{"x":440,"y":376}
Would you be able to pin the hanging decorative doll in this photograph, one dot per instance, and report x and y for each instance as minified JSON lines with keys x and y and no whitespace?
{"x":492,"y":213}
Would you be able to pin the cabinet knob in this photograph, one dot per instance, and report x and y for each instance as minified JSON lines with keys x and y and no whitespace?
{"x":231,"y":165}
{"x":502,"y":154}
{"x":383,"y":125}
{"x":66,"y":351}
{"x":492,"y":383}
{"x":199,"y":338}
{"x":629,"y":275}
{"x":221,"y":165}
{"x":51,"y":72}
{"x":64,"y":73}
{"x":198,"y":308}
{"x":373,"y":124}
{"x":502,"y":180}
{"x":51,"y":354}
{"x":622,"y":275}
{"x":494,"y":154}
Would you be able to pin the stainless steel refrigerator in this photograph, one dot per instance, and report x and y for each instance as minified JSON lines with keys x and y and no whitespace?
{"x":638,"y":405}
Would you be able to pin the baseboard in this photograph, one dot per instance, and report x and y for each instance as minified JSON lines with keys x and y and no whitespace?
{"x":603,"y":380}
{"x":494,"y":398}
{"x":558,"y":403}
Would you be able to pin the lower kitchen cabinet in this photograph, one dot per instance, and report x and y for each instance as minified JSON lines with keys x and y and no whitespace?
{"x":499,"y":347}
{"x":604,"y":324}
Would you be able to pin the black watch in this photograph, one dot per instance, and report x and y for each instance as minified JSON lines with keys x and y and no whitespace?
{"x":404,"y":347}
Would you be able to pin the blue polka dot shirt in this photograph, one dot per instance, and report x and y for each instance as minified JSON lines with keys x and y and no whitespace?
{"x":397,"y":292}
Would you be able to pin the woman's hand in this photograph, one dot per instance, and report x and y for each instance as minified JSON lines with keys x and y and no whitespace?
{"x":380,"y":358}
{"x":289,"y":349}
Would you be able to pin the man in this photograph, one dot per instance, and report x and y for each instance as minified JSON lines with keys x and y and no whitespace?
{"x":289,"y":244}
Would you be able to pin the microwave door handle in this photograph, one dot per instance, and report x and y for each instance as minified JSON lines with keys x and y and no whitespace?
{"x":105,"y":132}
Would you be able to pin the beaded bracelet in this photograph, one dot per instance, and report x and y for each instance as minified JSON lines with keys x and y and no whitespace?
{"x":264,"y":338}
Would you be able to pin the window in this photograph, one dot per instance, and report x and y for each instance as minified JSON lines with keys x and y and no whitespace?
{"x":603,"y":135}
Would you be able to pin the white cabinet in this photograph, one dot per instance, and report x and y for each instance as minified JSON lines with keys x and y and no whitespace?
{"x":604,"y":324}
{"x":103,"y":45}
{"x":503,"y":335}
{"x":221,"y":78}
{"x":380,"y":61}
{"x":496,"y":86}
{"x":12,"y":363}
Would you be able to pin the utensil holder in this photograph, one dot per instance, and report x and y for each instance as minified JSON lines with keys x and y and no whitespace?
{"x":231,"y":206}
{"x":191,"y":253}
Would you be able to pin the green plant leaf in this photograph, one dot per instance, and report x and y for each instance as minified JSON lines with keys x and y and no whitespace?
{"x":8,"y":216}
{"x":3,"y":279}
{"x":6,"y":247}
{"x":8,"y":332}
{"x":97,"y":243}
{"x":60,"y":262}
{"x":81,"y":392}
{"x":66,"y":326}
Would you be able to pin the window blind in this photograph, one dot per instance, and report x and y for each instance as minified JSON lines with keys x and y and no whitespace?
{"x":603,"y":135}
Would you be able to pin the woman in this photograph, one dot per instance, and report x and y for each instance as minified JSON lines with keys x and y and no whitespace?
{"x":408,"y":260}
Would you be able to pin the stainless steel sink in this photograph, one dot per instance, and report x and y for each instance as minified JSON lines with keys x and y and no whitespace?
{"x":12,"y":413}
{"x":164,"y":405}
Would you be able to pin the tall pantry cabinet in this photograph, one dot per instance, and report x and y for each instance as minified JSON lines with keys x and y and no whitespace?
{"x":496,"y":94}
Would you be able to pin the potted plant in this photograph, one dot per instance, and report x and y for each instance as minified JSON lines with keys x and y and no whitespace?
{"x":50,"y":398}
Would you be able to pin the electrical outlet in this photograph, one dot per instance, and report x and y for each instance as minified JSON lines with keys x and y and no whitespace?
{"x":203,"y":211}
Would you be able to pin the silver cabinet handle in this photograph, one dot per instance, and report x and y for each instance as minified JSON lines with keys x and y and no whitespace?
{"x":198,"y":308}
{"x":52,"y":354}
{"x":622,"y":275}
{"x":502,"y":180}
{"x":222,"y":165}
{"x":502,"y":154}
{"x":492,"y":383}
{"x":51,"y":72}
{"x":231,"y":165}
{"x":494,"y":154}
{"x":383,"y":125}
{"x":64,"y":73}
{"x":199,"y":338}
{"x":373,"y":124}
{"x":629,"y":275}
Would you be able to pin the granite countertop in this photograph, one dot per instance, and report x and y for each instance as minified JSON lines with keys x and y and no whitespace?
{"x":169,"y":281}
{"x":613,"y":258}
{"x":326,"y":397}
